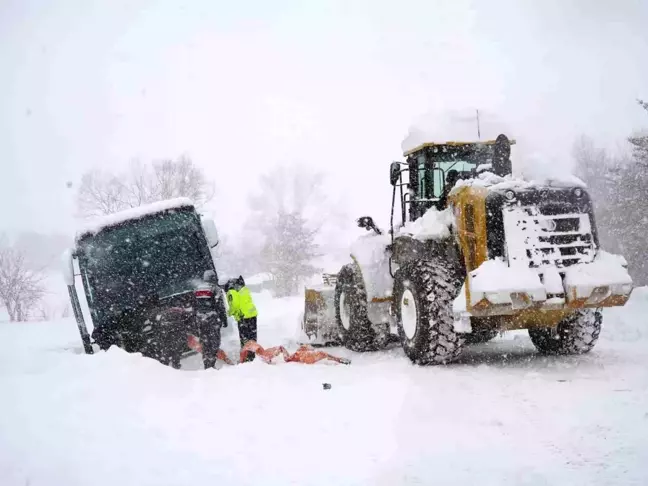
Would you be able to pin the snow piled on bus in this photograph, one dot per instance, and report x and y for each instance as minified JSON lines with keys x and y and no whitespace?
{"x":98,"y":224}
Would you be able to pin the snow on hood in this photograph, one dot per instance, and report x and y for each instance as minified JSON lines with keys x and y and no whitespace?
{"x":99,"y":224}
{"x":433,"y":225}
{"x":548,"y":169}
{"x":496,"y":183}
{"x":454,"y":125}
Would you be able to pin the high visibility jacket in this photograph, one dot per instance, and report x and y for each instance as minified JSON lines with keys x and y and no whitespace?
{"x":240,"y":304}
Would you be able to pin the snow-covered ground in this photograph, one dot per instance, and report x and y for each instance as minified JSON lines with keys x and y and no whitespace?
{"x":502,"y":415}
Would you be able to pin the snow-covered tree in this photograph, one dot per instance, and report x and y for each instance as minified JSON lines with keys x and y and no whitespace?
{"x":21,"y":287}
{"x":288,"y":250}
{"x":594,"y":166}
{"x":639,"y":141}
{"x":618,"y":185}
{"x":288,"y":210}
{"x":103,"y":192}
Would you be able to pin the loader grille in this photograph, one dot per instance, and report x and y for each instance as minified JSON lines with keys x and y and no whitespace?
{"x":541,"y":236}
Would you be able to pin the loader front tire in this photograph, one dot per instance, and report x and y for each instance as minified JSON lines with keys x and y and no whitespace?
{"x":575,"y":334}
{"x":423,"y":295}
{"x":354,"y":327}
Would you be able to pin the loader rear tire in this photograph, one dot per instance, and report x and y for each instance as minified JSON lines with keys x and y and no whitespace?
{"x":423,"y":295}
{"x":576,"y":334}
{"x":355,"y":328}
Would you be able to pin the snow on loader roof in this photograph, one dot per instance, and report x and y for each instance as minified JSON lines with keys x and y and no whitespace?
{"x":453,"y":127}
{"x":98,"y":224}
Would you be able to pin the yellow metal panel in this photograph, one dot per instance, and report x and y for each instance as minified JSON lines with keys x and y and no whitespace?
{"x":469,"y":206}
{"x":450,"y":144}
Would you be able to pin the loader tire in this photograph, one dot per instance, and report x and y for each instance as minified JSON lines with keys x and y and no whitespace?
{"x":576,"y":334}
{"x":354,"y":327}
{"x":423,"y":295}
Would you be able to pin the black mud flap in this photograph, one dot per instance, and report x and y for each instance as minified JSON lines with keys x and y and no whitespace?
{"x":78,"y":315}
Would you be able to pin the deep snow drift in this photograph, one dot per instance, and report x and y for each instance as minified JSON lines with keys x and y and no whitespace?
{"x":502,"y":415}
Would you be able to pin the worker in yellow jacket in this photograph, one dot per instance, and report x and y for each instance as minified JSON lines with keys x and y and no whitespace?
{"x":242,"y":308}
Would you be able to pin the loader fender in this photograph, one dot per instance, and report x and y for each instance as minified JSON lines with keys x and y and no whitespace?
{"x":371,"y":257}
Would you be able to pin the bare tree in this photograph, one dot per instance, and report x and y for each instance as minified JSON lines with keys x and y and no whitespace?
{"x":21,"y":288}
{"x":103,"y":192}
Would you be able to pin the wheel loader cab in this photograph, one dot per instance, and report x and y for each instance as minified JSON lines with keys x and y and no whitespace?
{"x":434,"y":169}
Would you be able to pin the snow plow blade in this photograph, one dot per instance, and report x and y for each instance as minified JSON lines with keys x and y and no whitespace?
{"x":319,"y":325}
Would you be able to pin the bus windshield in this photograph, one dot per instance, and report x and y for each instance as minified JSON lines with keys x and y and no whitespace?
{"x":144,"y":257}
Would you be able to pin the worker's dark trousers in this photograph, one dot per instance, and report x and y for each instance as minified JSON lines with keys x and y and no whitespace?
{"x":248,"y":332}
{"x":210,"y":339}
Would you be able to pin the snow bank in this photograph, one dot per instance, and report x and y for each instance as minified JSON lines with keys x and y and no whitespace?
{"x":370,"y":253}
{"x":118,"y":419}
{"x":433,"y":225}
{"x":627,"y":324}
{"x":98,"y":224}
{"x":496,"y":280}
{"x":458,"y":125}
{"x":68,"y":419}
{"x":258,"y":279}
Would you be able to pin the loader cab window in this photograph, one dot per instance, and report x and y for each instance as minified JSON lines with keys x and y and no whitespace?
{"x":432,"y":176}
{"x":425,"y":184}
{"x":452,"y":171}
{"x":422,"y":185}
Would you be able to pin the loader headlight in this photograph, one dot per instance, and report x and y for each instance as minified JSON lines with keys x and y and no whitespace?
{"x":510,"y":195}
{"x":578,"y":192}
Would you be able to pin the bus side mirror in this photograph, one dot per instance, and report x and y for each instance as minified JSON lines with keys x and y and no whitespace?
{"x":211,"y":233}
{"x":68,"y":267}
{"x":394,"y":173}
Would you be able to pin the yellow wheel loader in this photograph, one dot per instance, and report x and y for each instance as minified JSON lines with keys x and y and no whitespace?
{"x":476,"y":252}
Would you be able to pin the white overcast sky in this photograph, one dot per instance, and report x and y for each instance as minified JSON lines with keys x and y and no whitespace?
{"x":243,"y":86}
